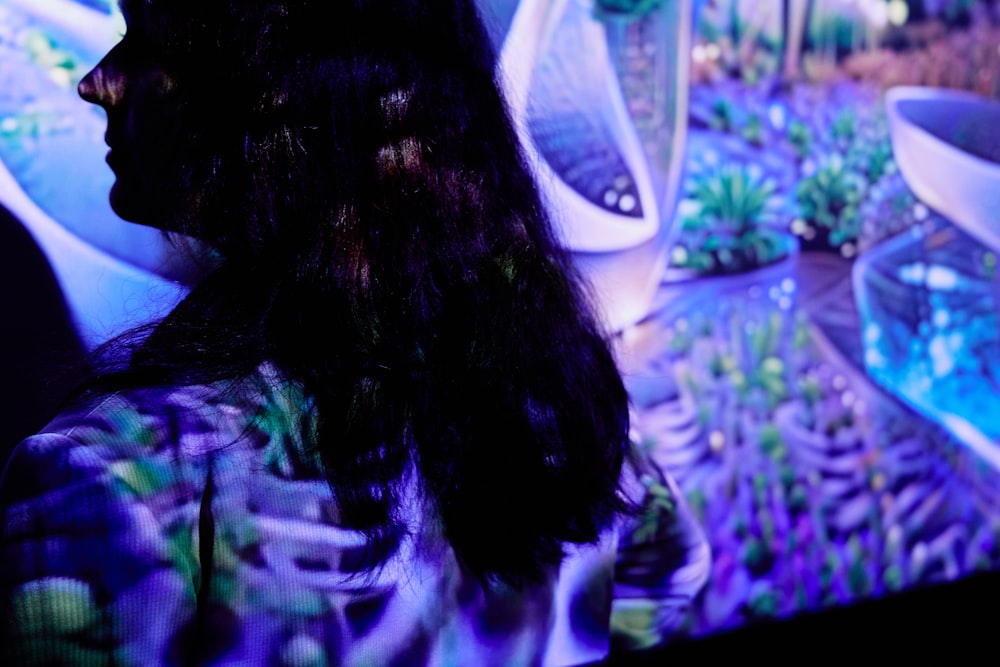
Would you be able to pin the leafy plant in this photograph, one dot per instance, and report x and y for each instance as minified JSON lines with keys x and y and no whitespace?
{"x":658,"y":510}
{"x":722,"y":118}
{"x":726,"y":233}
{"x":834,"y":34}
{"x":720,"y":364}
{"x":732,"y":196}
{"x":800,"y":136}
{"x":765,"y":338}
{"x":769,"y":378}
{"x":828,"y":203}
{"x":63,"y":67}
{"x":844,"y":127}
{"x":810,"y":390}
{"x":811,"y":394}
{"x":772,"y":444}
{"x":753,"y":131}
{"x":873,"y":159}
{"x":870,"y":151}
{"x":630,"y":8}
{"x":682,"y":340}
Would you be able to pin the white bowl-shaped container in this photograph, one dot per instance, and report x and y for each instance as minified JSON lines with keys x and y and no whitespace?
{"x":564,"y":69}
{"x":947,"y":145}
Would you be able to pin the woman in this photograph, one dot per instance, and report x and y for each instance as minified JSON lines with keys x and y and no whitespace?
{"x":383,"y":428}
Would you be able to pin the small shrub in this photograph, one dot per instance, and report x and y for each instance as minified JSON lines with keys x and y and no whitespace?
{"x":727,"y":232}
{"x":828,"y":203}
{"x":800,"y":136}
{"x":631,"y":8}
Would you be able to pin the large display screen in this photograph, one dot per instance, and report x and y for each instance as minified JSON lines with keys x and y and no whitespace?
{"x":788,"y":210}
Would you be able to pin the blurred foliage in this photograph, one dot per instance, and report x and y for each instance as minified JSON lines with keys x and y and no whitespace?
{"x":828,"y":202}
{"x":726,"y":231}
{"x":62,"y":66}
{"x":753,"y":130}
{"x":800,"y":136}
{"x":630,"y":8}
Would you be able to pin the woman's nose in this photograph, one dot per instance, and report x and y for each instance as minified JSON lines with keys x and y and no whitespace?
{"x":102,"y":85}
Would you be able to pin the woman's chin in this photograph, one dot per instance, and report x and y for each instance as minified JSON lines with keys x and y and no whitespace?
{"x":131,"y":207}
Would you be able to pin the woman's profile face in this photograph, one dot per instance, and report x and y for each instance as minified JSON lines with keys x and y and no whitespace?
{"x":138,"y":94}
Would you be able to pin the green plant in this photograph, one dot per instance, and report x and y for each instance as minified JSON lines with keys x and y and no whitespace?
{"x":769,"y":377}
{"x":630,"y":8}
{"x":722,"y":116}
{"x":801,"y":138}
{"x":958,"y":12}
{"x":772,"y":444}
{"x":828,"y":202}
{"x":811,"y":393}
{"x":732,"y":196}
{"x":765,"y":338}
{"x":726,"y":234}
{"x":834,"y":34}
{"x":659,"y":509}
{"x":63,"y":67}
{"x":801,"y":336}
{"x":989,"y":264}
{"x":873,"y":159}
{"x":681,"y":342}
{"x":753,"y":131}
{"x":720,"y":364}
{"x":870,"y":150}
{"x":844,"y":127}
{"x":762,"y":370}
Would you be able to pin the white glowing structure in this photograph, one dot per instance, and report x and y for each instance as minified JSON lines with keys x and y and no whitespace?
{"x":609,"y":174}
{"x":947,"y":145}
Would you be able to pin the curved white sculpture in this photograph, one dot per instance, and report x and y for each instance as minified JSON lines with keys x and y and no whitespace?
{"x":561,"y":83}
{"x":588,"y":82}
{"x":947,"y":145}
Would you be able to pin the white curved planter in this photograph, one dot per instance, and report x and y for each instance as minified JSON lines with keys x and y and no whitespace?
{"x":560,"y":55}
{"x":947,"y":147}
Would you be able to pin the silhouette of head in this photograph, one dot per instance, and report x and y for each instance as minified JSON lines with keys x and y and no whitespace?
{"x":243,"y":122}
{"x":138,"y":93}
{"x":382,"y":241}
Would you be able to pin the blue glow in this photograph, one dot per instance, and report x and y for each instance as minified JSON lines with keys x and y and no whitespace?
{"x":931,"y":331}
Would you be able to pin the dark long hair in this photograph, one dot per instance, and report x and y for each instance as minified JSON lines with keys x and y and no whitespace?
{"x":382,"y":242}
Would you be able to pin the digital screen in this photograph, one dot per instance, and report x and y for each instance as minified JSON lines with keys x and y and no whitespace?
{"x":788,"y":213}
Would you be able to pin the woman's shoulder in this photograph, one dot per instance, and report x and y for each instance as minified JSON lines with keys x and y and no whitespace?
{"x":108,"y":510}
{"x":144,"y":441}
{"x":195,"y":420}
